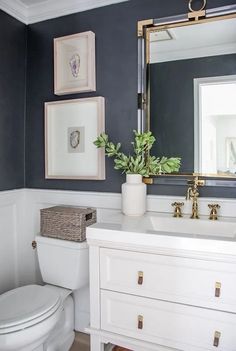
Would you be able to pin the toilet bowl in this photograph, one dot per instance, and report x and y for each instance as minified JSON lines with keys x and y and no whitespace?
{"x":28,"y":315}
{"x":41,"y":318}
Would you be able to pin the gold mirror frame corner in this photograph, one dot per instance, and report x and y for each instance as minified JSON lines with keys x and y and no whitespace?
{"x":142,"y":25}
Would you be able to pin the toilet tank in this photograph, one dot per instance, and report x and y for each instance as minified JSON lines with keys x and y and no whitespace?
{"x":63,"y":263}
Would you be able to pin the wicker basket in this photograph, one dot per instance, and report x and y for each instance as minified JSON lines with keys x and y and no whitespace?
{"x":66,"y":223}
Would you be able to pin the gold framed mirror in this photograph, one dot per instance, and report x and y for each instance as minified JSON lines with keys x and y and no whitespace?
{"x":187,"y":89}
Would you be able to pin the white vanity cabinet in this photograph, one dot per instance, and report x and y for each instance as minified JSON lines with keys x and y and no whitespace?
{"x":150,"y":297}
{"x":177,"y":279}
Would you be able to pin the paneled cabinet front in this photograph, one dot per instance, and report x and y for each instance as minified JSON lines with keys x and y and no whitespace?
{"x":194,"y":282}
{"x":169,"y":324}
{"x":154,"y":302}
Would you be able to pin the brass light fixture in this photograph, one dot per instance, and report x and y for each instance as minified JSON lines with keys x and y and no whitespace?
{"x":204,"y":2}
{"x":197,"y":14}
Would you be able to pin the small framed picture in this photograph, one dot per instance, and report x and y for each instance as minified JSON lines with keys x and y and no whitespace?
{"x":71,"y":127}
{"x":74,"y":64}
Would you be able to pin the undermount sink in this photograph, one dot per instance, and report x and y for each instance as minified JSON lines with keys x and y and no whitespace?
{"x":199,"y":227}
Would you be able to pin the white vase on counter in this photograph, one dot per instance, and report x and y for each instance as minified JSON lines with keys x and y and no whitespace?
{"x":134,"y":195}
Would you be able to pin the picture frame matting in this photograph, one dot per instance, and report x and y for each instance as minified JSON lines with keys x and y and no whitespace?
{"x":74,"y":63}
{"x":71,"y":126}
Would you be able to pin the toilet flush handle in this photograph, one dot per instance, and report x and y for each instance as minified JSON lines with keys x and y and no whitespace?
{"x":34,"y":244}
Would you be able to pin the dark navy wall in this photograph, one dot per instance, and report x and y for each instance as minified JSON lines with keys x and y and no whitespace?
{"x":116,"y":51}
{"x":12,"y":101}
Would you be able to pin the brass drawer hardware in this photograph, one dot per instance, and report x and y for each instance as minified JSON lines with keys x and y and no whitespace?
{"x":140,"y":322}
{"x":217,"y":339}
{"x":217,"y":289}
{"x":177,"y":211}
{"x":140,"y":278}
{"x":34,"y":244}
{"x":214,"y":214}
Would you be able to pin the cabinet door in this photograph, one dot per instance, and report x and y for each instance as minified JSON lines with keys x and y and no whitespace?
{"x":168,"y":324}
{"x":183,"y":280}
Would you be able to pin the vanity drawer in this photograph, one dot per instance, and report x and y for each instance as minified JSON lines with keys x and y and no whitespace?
{"x":183,"y":280}
{"x":172,"y":325}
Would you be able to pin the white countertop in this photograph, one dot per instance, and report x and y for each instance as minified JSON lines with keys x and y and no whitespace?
{"x":163,"y":232}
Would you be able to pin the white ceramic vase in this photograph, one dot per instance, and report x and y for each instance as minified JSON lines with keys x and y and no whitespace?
{"x":134,"y":194}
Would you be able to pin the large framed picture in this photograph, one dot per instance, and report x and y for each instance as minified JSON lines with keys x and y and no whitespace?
{"x":74,"y":64}
{"x":71,"y":127}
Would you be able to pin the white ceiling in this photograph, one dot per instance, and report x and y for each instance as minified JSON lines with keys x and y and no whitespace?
{"x":31,"y":11}
{"x":208,"y":39}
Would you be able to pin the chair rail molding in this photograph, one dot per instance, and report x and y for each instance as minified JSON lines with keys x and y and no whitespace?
{"x":44,"y":10}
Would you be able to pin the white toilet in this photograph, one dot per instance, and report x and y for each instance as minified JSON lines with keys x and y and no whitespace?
{"x":41,"y":318}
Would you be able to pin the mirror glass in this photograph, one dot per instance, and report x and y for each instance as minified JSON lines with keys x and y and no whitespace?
{"x":192,"y":82}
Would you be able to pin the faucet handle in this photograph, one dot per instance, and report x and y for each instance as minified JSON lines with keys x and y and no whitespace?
{"x":177,"y":211}
{"x":213,"y":214}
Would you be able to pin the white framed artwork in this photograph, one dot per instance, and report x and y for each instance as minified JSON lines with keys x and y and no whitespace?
{"x":74,"y":63}
{"x":71,"y":126}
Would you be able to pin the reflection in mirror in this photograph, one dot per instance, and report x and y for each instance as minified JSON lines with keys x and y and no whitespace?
{"x":192,"y":82}
{"x":215,"y":125}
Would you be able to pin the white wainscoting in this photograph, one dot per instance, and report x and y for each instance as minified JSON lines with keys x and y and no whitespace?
{"x":20,"y":222}
{"x":30,"y":201}
{"x":11,"y":238}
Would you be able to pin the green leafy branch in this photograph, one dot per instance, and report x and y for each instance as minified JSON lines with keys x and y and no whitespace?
{"x":141,"y":162}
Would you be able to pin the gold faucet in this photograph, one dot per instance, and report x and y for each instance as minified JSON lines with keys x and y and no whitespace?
{"x":193,"y":194}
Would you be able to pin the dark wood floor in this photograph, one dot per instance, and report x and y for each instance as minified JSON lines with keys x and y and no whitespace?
{"x":81,"y":342}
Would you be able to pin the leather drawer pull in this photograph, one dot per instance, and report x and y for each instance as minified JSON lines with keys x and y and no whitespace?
{"x":140,"y":322}
{"x":217,"y":339}
{"x":217,"y":289}
{"x":140,"y":278}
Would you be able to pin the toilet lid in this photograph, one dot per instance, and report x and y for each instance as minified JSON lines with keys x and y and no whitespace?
{"x":26,"y":304}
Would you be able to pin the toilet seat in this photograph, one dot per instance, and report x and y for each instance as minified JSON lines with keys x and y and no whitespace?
{"x":26,"y":306}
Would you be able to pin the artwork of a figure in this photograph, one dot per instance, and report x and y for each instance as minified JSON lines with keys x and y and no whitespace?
{"x":75,"y":65}
{"x":75,"y":139}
